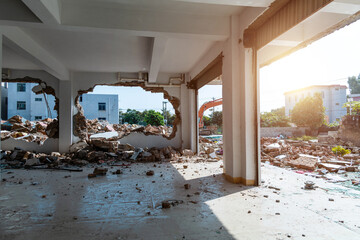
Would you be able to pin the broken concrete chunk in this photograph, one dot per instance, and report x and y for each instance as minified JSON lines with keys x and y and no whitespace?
{"x":136,"y":153}
{"x":78,"y":146}
{"x":105,"y":135}
{"x":100,"y":171}
{"x":309,"y":185}
{"x":187,"y":153}
{"x":331,"y":167}
{"x":32,"y":162}
{"x":308,"y":163}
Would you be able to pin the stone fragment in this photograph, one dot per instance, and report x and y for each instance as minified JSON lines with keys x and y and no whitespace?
{"x":308,"y":163}
{"x":100,"y":171}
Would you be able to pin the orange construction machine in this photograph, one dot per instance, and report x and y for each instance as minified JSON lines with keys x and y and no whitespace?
{"x":206,"y":106}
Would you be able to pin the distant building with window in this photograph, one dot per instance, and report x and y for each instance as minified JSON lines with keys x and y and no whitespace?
{"x":101,"y":106}
{"x":334,"y":96}
{"x":24,"y":102}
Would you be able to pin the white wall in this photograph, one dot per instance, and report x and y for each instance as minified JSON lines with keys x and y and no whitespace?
{"x":333,"y":99}
{"x":90,"y":104}
{"x":33,"y":108}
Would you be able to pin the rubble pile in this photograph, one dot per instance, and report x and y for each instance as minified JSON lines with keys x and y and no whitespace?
{"x":31,"y":131}
{"x":38,"y":131}
{"x":315,"y":157}
{"x":108,"y":151}
{"x":94,"y":127}
{"x":210,"y":149}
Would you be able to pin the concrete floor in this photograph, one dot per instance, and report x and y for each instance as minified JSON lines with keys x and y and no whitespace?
{"x":68,"y":205}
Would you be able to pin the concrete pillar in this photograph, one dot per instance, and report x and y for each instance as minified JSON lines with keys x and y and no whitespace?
{"x":188,"y":118}
{"x":240,"y":110}
{"x":185,"y":117}
{"x":194,"y":128}
{"x":66,"y":101}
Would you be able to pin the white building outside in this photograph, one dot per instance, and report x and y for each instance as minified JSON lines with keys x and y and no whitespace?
{"x":101,"y":106}
{"x":24,"y":102}
{"x":334,"y":96}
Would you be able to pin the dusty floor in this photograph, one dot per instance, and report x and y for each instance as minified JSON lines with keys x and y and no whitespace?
{"x":68,"y":205}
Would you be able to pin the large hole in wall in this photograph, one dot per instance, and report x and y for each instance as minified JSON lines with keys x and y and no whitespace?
{"x":125,"y":108}
{"x":29,"y":110}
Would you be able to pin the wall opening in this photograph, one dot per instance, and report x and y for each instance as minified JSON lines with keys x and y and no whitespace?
{"x":29,"y":110}
{"x":125,"y":108}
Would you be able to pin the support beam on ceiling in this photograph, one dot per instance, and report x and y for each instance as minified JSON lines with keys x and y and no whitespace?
{"x":144,"y":23}
{"x":157,"y":55}
{"x":48,"y":11}
{"x":257,"y":3}
{"x":23,"y":44}
{"x":208,"y":74}
{"x":281,"y":16}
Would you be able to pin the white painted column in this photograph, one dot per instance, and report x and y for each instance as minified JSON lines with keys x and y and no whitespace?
{"x":194,"y":128}
{"x":240,"y":110}
{"x":66,"y":101}
{"x":185,"y":117}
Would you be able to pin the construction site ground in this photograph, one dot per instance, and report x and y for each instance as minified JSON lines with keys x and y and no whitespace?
{"x":50,"y":204}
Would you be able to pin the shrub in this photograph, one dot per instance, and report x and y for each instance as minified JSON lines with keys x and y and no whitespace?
{"x":339,"y":150}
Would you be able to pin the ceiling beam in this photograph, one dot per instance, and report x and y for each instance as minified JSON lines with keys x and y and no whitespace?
{"x":23,"y":44}
{"x":145,"y":23}
{"x":48,"y":11}
{"x":280,"y":17}
{"x":157,"y":55}
{"x":246,"y":3}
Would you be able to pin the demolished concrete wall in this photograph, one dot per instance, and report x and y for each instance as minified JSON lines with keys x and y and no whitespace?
{"x":50,"y":85}
{"x":349,"y":130}
{"x":86,"y":81}
{"x":50,"y":145}
{"x":287,"y":131}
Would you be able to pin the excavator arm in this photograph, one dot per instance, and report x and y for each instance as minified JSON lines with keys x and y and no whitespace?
{"x":206,"y":106}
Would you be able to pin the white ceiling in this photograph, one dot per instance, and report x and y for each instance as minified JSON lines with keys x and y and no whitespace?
{"x":222,"y":8}
{"x":94,"y":51}
{"x":13,"y":60}
{"x":181,"y":54}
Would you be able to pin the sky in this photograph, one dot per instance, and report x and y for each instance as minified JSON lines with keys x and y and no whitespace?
{"x":330,"y":60}
{"x":135,"y":98}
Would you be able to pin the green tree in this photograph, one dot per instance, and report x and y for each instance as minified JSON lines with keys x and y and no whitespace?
{"x":169,"y":117}
{"x":309,"y":112}
{"x":154,"y":118}
{"x":132,"y":116}
{"x":216,"y":118}
{"x":354,"y":84}
{"x":171,"y":120}
{"x":206,"y":120}
{"x":355,"y":107}
{"x":279,"y":111}
{"x":275,"y":118}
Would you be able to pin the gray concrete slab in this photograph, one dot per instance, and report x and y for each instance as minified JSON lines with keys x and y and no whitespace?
{"x":68,"y":205}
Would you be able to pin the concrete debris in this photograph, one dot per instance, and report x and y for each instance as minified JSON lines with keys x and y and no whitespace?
{"x":30,"y":131}
{"x":87,"y":128}
{"x":311,"y":158}
{"x":309,"y":185}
